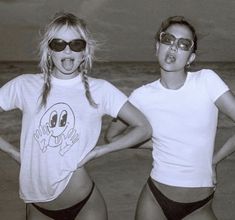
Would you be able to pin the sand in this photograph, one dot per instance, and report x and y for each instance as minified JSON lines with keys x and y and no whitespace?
{"x":120,"y":175}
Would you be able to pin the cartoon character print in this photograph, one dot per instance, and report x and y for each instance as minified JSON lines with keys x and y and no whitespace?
{"x":56,"y":129}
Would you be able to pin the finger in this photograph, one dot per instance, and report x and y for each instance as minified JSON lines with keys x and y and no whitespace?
{"x":44,"y":129}
{"x":40,"y":131}
{"x":48,"y":129}
{"x":215,"y":181}
{"x":75,"y":138}
{"x":36,"y":136}
{"x":71,"y":132}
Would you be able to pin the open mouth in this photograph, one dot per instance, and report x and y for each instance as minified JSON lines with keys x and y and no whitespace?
{"x":170,"y":58}
{"x":67,"y":63}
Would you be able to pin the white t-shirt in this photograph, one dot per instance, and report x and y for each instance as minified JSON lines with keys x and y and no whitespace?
{"x":184,"y":123}
{"x":55,"y":138}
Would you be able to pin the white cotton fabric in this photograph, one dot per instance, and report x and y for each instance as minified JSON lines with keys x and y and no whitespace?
{"x":55,"y":138}
{"x":184,"y":123}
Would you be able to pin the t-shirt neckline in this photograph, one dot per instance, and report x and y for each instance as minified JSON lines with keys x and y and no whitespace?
{"x":174,"y":90}
{"x":66,"y":82}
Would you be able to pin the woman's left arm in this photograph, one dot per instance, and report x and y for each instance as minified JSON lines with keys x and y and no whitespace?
{"x":10,"y":150}
{"x":140,"y":130}
{"x":226,"y":104}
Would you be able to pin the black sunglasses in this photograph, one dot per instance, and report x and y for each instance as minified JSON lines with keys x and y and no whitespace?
{"x":76,"y":45}
{"x":182,"y":43}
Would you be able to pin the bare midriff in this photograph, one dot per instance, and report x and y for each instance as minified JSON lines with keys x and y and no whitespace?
{"x":77,"y":189}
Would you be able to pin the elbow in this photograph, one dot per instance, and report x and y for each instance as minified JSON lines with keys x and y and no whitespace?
{"x":108,"y":138}
{"x":146,"y":131}
{"x":149,"y":132}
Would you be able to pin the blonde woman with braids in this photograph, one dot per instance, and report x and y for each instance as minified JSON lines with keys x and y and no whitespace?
{"x":62,"y":112}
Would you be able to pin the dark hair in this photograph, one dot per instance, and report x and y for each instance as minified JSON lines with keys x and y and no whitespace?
{"x":177,"y":20}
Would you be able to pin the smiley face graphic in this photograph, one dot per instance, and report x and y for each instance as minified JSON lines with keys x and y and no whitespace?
{"x":56,"y":128}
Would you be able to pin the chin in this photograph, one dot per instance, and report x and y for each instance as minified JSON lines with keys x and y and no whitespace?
{"x":168,"y":68}
{"x":171,"y":67}
{"x":69,"y":72}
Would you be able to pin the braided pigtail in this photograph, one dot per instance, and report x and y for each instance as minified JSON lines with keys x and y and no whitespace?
{"x":87,"y":88}
{"x":47,"y":81}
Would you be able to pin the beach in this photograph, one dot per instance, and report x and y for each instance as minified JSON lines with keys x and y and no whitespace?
{"x":120,"y":176}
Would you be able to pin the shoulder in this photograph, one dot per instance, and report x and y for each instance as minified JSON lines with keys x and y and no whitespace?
{"x":204,"y":77}
{"x":211,"y":82}
{"x":203,"y":74}
{"x":145,"y":89}
{"x":23,"y":79}
{"x":96,"y":83}
{"x":29,"y":77}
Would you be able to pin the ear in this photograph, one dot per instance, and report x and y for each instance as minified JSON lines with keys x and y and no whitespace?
{"x":156,"y":48}
{"x":191,"y":58}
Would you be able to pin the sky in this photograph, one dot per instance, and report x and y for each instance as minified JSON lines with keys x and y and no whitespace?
{"x":125,"y":29}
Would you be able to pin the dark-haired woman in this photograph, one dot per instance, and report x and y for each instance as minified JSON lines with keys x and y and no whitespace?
{"x":182,"y":108}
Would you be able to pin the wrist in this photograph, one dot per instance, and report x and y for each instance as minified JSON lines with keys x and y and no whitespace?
{"x":99,"y":151}
{"x":215,"y":160}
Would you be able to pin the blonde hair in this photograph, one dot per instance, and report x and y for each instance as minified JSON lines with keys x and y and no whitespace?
{"x":69,"y":20}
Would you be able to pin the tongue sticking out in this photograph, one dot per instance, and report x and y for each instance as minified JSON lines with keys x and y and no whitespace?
{"x":67,"y":64}
{"x":170,"y":59}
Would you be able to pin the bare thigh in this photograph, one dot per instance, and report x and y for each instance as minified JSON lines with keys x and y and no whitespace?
{"x":33,"y":214}
{"x":147,"y":207}
{"x":95,"y":208}
{"x":205,"y":213}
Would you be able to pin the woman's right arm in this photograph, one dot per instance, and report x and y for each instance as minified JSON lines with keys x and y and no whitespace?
{"x":118,"y":128}
{"x":9,"y":149}
{"x":115,"y":129}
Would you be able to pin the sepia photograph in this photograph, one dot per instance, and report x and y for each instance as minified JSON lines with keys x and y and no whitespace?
{"x":117,"y":110}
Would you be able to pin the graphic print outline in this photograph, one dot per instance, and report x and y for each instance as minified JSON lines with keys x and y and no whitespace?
{"x":57,"y":129}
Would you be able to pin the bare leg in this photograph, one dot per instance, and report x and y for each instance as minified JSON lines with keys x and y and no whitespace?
{"x":34,"y":214}
{"x":95,"y":208}
{"x":205,"y":213}
{"x":147,"y":207}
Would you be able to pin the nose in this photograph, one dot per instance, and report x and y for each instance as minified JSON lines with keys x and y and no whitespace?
{"x":174,"y":46}
{"x":67,"y":49}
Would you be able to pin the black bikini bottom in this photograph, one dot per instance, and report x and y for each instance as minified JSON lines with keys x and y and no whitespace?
{"x":67,"y":213}
{"x":175,"y":210}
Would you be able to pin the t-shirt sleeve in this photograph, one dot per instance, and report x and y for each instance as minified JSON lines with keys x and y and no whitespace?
{"x":10,"y":96}
{"x":135,"y":98}
{"x":113,"y":99}
{"x":215,"y":85}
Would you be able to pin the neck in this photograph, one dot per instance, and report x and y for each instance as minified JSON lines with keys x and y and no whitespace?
{"x":173,"y":80}
{"x":60,"y":75}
